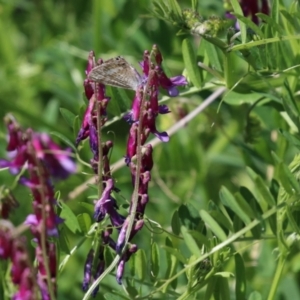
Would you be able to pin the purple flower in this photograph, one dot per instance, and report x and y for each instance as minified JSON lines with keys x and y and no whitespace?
{"x":88,"y":270}
{"x":57,"y":160}
{"x":122,"y":235}
{"x":121,"y":266}
{"x":99,"y":271}
{"x":170,"y":84}
{"x":163,"y":109}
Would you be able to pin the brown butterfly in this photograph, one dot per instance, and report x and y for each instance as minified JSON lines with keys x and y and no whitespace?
{"x":116,"y":72}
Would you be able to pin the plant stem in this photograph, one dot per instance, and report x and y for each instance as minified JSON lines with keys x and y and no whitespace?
{"x":277,"y":276}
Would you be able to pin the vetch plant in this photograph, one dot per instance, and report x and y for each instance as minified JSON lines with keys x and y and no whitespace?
{"x":39,"y":156}
{"x":212,"y":212}
{"x":142,"y":116}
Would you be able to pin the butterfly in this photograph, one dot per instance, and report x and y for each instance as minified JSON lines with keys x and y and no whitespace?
{"x":116,"y":72}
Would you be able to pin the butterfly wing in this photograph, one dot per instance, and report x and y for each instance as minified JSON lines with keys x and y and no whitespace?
{"x":116,"y":72}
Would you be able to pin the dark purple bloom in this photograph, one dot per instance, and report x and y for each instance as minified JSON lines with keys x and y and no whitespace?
{"x":107,"y":205}
{"x":57,"y":160}
{"x":88,"y":270}
{"x":122,"y":235}
{"x":163,"y":109}
{"x":170,"y":84}
{"x":99,"y":271}
{"x":121,"y":266}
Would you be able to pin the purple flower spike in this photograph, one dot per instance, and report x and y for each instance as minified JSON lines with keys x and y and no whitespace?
{"x":93,"y":139}
{"x":58,"y":161}
{"x":88,"y":270}
{"x":170,"y":84}
{"x":157,"y":54}
{"x":99,"y":271}
{"x":121,"y":266}
{"x":145,"y":63}
{"x":106,"y":204}
{"x":120,"y":271}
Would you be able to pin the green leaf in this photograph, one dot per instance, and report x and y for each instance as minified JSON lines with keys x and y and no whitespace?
{"x":69,"y":217}
{"x":244,"y":205}
{"x":255,"y":296}
{"x":116,"y":296}
{"x":199,"y":237}
{"x":68,"y":116}
{"x":222,"y":219}
{"x":85,"y":222}
{"x":292,"y":20}
{"x":175,"y":223}
{"x":176,"y":9}
{"x":211,"y":286}
{"x":271,"y":22}
{"x":190,"y":62}
{"x":64,"y":139}
{"x":212,"y":56}
{"x":64,"y":245}
{"x":286,"y":177}
{"x":175,"y":252}
{"x":213,"y":225}
{"x":248,"y":203}
{"x":189,"y":216}
{"x":76,"y":127}
{"x":264,"y":191}
{"x":224,"y":274}
{"x":238,"y":10}
{"x":171,"y":270}
{"x":260,"y":189}
{"x":140,"y":263}
{"x":195,"y":5}
{"x":234,"y":98}
{"x":293,"y":139}
{"x":240,"y":275}
{"x":223,"y":288}
{"x":250,"y":24}
{"x":155,"y":261}
{"x":89,"y":207}
{"x":290,"y":105}
{"x":51,"y":111}
{"x":190,"y":242}
{"x":228,"y":199}
{"x":275,"y":10}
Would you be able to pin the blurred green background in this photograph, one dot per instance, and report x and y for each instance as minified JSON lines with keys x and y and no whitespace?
{"x":44,"y":47}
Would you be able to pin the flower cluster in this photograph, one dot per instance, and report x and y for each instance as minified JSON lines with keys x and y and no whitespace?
{"x":142,"y":119}
{"x":22,"y":273}
{"x":43,"y":159}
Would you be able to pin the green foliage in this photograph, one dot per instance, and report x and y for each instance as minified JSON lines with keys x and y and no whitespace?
{"x":224,"y":210}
